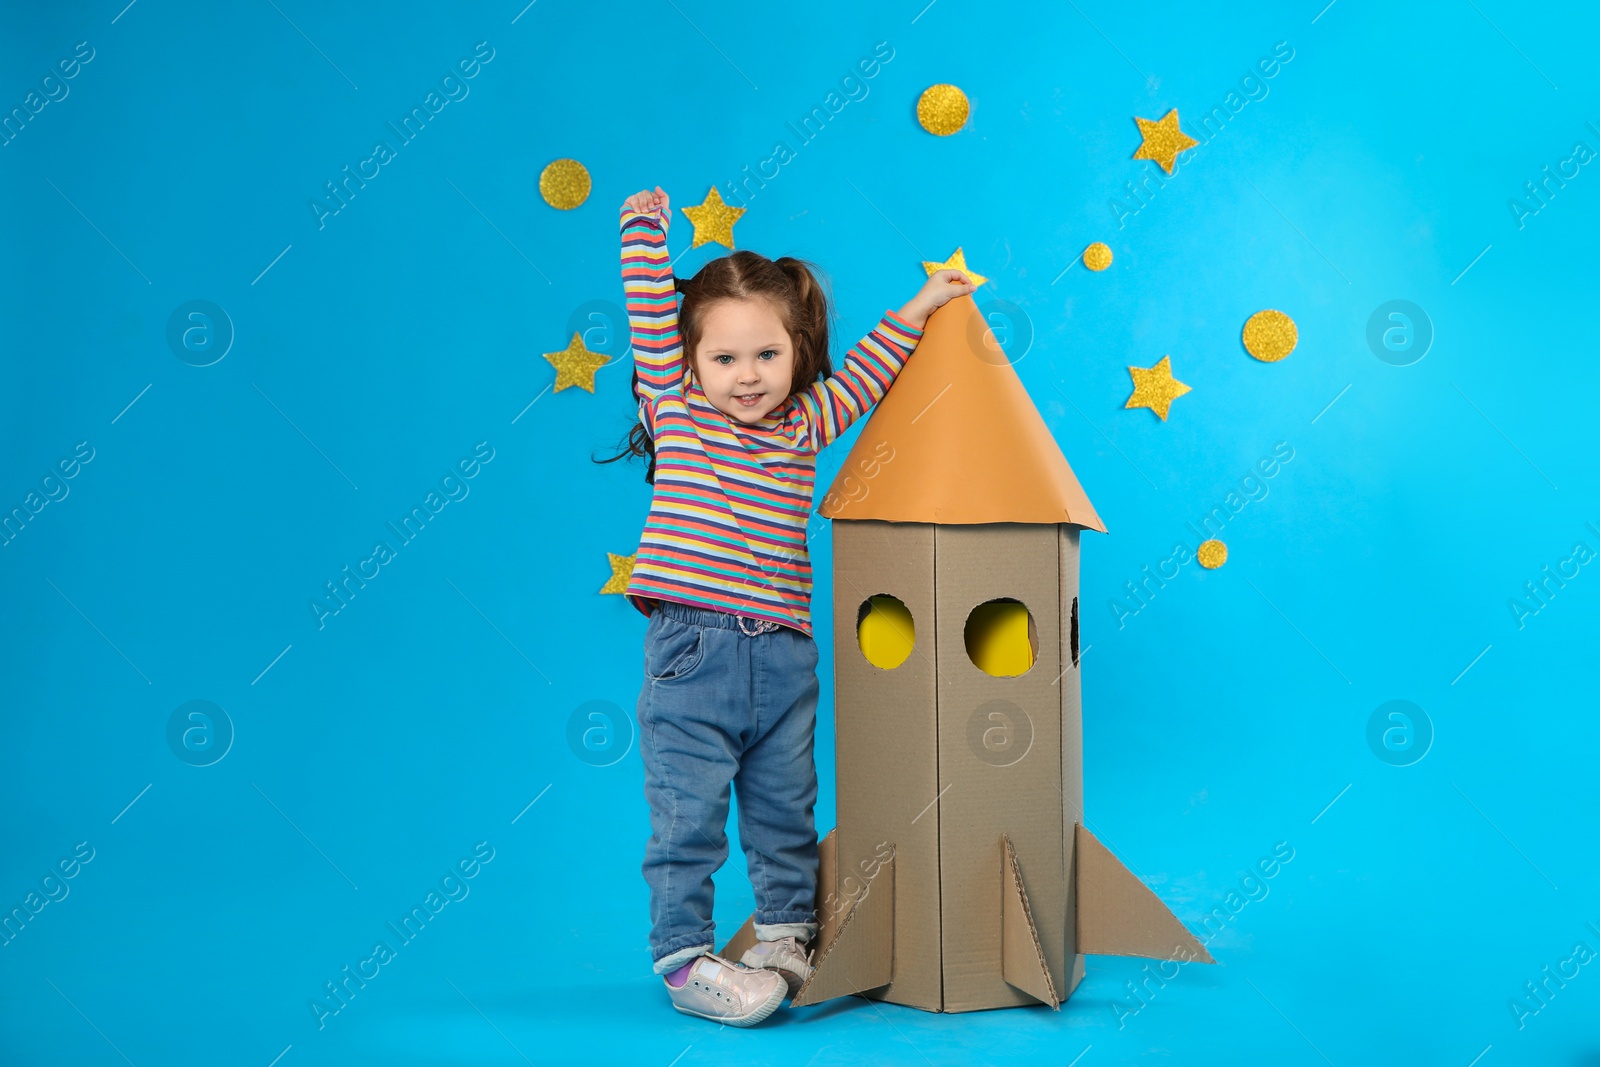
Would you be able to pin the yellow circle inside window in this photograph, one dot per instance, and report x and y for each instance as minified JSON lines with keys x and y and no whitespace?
{"x":1001,"y":637}
{"x":885,"y":631}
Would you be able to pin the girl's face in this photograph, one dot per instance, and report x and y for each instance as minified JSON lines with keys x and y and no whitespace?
{"x":745,"y":359}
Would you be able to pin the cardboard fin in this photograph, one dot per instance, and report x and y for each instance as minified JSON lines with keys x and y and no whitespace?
{"x":1118,"y":915}
{"x":1022,"y":962}
{"x":860,"y":954}
{"x":745,"y":938}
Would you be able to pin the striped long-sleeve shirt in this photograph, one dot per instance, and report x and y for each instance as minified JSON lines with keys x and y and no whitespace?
{"x":727,"y":522}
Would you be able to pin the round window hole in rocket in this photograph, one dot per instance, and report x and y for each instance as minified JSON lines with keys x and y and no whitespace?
{"x":885,"y":631}
{"x":1002,"y":639}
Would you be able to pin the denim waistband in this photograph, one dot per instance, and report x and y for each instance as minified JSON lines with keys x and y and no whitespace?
{"x":748,"y":625}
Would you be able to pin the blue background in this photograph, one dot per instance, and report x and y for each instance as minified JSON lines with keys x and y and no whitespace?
{"x":370,"y":355}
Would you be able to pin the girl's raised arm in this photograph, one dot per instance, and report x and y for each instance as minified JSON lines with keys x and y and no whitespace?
{"x":652,"y":300}
{"x":831,"y":405}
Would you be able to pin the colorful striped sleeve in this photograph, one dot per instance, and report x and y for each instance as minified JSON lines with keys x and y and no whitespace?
{"x":652,"y":310}
{"x":831,"y":405}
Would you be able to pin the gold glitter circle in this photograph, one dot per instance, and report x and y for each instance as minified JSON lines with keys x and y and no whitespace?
{"x":1097,"y":256}
{"x":1270,"y":335}
{"x":1212,"y":554}
{"x":564,"y":184}
{"x":942,"y":109}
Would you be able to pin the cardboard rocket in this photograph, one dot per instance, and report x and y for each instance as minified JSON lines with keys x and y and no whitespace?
{"x":960,"y":875}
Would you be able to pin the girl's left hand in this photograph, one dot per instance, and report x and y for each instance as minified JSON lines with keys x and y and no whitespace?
{"x":942,"y":287}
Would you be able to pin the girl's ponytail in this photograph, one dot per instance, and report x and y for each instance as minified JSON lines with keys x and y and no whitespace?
{"x":637,"y":442}
{"x":808,"y":320}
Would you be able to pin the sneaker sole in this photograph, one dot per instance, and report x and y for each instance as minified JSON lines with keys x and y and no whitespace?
{"x":792,"y":980}
{"x":755,"y":1015}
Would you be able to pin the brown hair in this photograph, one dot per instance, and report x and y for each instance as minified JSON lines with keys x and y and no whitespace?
{"x":795,"y":289}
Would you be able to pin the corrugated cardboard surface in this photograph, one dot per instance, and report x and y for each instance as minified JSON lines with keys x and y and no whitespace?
{"x":859,"y":954}
{"x":1118,"y":915}
{"x":887,"y":744}
{"x":983,"y":799}
{"x":1070,"y":685}
{"x":1021,"y":959}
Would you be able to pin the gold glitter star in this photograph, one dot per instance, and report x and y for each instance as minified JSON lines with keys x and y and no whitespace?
{"x":575,"y":364}
{"x":621,"y":571}
{"x":713,"y":220}
{"x":955,"y":262}
{"x":1155,"y":387}
{"x":1163,"y":140}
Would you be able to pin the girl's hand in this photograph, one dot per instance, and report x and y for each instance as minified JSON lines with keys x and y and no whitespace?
{"x":644,"y":202}
{"x":942,"y":287}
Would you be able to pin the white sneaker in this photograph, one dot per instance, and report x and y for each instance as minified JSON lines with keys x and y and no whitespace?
{"x":786,"y":956}
{"x":726,"y":992}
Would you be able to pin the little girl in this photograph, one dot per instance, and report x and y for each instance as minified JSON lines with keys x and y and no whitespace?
{"x":735,"y":401}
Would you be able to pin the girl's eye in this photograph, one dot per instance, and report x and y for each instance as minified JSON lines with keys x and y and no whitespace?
{"x":769,"y":352}
{"x":719,"y":359}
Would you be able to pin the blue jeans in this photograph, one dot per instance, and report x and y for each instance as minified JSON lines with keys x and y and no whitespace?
{"x":721,"y":705}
